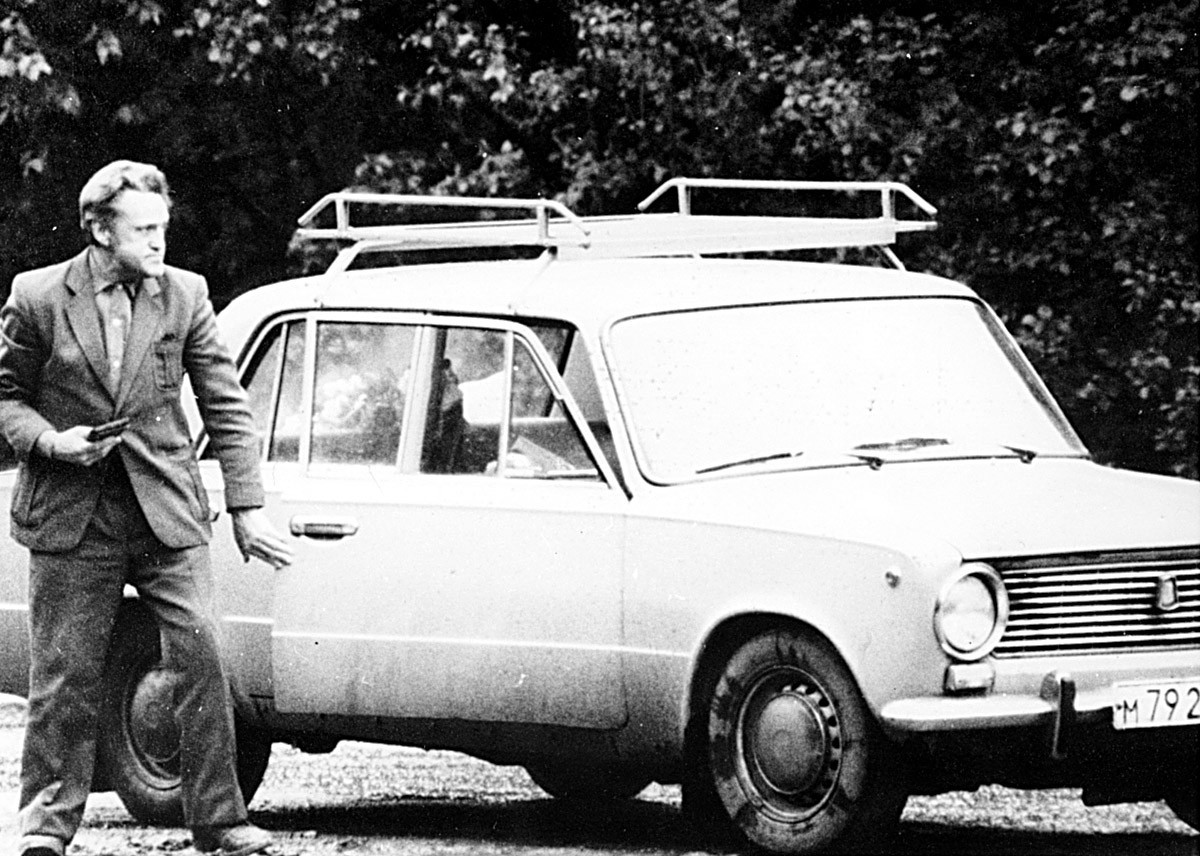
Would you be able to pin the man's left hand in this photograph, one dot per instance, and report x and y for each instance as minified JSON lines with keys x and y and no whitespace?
{"x":258,"y":538}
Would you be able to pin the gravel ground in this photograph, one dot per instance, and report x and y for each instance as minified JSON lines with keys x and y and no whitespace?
{"x":373,"y":800}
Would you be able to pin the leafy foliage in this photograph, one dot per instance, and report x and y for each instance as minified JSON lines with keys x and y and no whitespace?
{"x":252,"y":108}
{"x":1060,"y":146}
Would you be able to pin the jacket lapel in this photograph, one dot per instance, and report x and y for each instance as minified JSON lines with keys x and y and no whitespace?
{"x":143,"y":330}
{"x":83,"y":317}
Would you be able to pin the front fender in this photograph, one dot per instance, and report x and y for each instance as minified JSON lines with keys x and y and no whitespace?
{"x":687,"y":583}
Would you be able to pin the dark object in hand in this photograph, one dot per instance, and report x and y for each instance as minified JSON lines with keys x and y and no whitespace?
{"x":108,"y":429}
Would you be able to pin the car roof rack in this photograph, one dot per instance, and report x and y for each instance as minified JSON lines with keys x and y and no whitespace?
{"x":552,"y":226}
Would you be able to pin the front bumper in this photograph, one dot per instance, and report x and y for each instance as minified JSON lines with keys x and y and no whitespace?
{"x":1059,"y":708}
{"x":1024,"y":692}
{"x":1071,"y":695}
{"x":1057,"y":700}
{"x":1062,"y":738}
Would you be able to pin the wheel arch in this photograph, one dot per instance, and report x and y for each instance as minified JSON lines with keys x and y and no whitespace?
{"x":720,"y":643}
{"x":773,"y":814}
{"x":149,"y":785}
{"x":133,"y":609}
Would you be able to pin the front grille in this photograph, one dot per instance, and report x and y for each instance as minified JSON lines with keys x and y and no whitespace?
{"x":1099,"y":603}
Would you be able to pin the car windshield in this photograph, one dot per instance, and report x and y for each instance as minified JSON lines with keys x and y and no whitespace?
{"x":821,"y":383}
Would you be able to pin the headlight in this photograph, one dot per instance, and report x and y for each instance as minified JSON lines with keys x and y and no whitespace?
{"x":971,"y":612}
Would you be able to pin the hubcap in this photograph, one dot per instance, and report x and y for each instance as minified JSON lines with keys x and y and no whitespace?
{"x":788,"y":742}
{"x":152,"y":727}
{"x":790,"y":745}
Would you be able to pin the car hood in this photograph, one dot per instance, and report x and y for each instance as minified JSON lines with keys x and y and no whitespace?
{"x":982,"y":508}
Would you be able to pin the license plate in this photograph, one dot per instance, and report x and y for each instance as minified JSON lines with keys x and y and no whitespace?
{"x":1150,"y":704}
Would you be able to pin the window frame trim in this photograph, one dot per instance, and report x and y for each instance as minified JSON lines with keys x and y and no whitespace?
{"x":425,"y":330}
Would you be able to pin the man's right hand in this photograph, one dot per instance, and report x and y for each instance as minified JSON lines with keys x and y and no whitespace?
{"x":74,"y":447}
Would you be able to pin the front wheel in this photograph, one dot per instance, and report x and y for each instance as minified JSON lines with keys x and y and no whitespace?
{"x":785,"y":754}
{"x":137,"y":745}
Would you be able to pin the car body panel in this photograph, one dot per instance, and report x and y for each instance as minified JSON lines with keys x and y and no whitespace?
{"x":419,"y":625}
{"x":982,"y":507}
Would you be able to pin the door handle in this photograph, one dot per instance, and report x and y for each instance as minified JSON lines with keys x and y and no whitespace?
{"x":322,"y":528}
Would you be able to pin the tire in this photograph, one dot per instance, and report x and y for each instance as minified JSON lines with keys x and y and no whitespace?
{"x":582,"y":783}
{"x":137,"y":744}
{"x":785,"y":756}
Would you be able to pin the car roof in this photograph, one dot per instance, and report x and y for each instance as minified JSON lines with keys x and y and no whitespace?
{"x":587,"y":294}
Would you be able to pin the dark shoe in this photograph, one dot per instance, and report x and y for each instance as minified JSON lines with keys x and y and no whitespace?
{"x":40,"y":851}
{"x":239,"y":840}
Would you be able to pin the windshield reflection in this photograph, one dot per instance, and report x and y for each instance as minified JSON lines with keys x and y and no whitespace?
{"x":807,"y":384}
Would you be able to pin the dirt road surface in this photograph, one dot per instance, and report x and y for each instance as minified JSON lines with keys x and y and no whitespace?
{"x":371,"y":800}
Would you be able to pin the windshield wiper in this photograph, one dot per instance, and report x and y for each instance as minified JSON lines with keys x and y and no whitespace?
{"x":911,"y":444}
{"x":744,"y":462}
{"x":863,"y":452}
{"x":1026,"y":455}
{"x":908,"y":444}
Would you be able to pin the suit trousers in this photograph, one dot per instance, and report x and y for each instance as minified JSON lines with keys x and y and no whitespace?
{"x":74,"y":597}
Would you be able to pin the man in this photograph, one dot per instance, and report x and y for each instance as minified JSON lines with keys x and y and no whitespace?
{"x":109,"y":334}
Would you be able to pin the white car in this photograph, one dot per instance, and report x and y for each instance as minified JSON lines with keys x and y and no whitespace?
{"x":806,"y":538}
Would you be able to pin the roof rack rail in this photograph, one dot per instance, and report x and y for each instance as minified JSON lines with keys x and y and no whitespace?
{"x":886,"y":189}
{"x":555,"y":228}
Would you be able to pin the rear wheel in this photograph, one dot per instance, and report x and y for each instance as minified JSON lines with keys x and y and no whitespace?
{"x":785,"y":754}
{"x":137,"y":745}
{"x":597,"y":783}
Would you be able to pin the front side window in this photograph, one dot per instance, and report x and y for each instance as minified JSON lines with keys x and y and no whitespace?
{"x":492,"y":411}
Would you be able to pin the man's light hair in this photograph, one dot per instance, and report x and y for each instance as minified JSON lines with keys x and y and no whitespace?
{"x":97,"y":197}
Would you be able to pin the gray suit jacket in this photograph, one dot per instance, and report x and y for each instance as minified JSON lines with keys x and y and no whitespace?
{"x":54,"y":374}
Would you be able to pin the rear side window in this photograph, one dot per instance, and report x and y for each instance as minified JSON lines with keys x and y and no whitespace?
{"x":359,"y":383}
{"x":284,"y":434}
{"x":359,"y":391}
{"x":274,"y":385}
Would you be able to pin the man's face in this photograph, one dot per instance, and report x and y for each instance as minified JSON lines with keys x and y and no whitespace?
{"x":136,"y":238}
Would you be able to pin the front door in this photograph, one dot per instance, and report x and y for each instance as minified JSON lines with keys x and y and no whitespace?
{"x":458,"y":548}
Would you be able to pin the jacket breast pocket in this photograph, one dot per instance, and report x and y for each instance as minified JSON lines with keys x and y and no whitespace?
{"x":168,"y":365}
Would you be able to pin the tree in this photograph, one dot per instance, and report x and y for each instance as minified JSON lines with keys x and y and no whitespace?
{"x":253,"y":109}
{"x":1059,"y":146}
